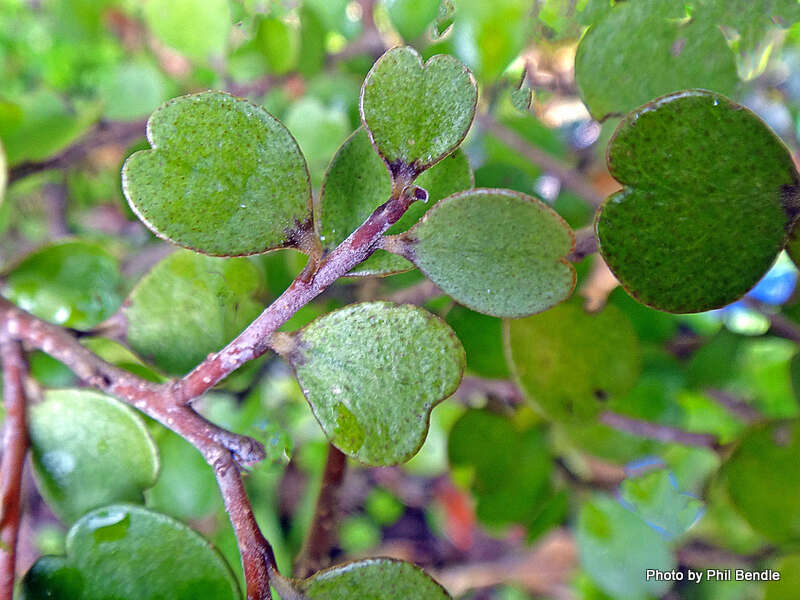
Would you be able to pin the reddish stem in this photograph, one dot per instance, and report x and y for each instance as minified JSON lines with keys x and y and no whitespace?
{"x":15,"y":446}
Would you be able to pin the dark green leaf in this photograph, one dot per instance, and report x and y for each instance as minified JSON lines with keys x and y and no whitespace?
{"x":72,"y":283}
{"x":763,"y":478}
{"x":788,"y":586}
{"x":571,"y":363}
{"x":224,"y":177}
{"x":89,"y":450}
{"x":616,"y":547}
{"x":357,"y":182}
{"x":417,"y":114}
{"x":123,"y":551}
{"x":496,"y":251}
{"x":373,"y":399}
{"x":641,"y":50}
{"x":383,"y":578}
{"x":482,"y":337}
{"x":710,"y":194}
{"x":190,"y":305}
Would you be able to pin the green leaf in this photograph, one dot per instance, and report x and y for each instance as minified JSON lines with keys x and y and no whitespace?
{"x":89,"y":450}
{"x":496,"y":251}
{"x":571,"y":363}
{"x":482,"y":337}
{"x":511,"y":468}
{"x":641,"y":50}
{"x":123,"y":551}
{"x":198,"y":29}
{"x":312,"y":42}
{"x":190,"y":305}
{"x":224,"y":177}
{"x":788,"y":586}
{"x":383,"y":578}
{"x":412,"y":17}
{"x":616,"y":547}
{"x":132,"y":91}
{"x":71,"y":283}
{"x":357,"y":182}
{"x":488,"y":36}
{"x":3,"y":171}
{"x":373,"y":398}
{"x":763,"y":480}
{"x":710,"y":194}
{"x":417,"y":114}
{"x":656,"y":497}
{"x":278,"y":44}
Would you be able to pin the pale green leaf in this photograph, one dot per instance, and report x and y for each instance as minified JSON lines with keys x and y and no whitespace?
{"x":197,"y":28}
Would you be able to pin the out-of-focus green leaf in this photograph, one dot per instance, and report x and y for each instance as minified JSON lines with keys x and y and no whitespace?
{"x":482,"y":337}
{"x":89,"y":450}
{"x":319,"y":131}
{"x":412,"y":17}
{"x":378,"y":577}
{"x":132,"y":91}
{"x":312,"y":42}
{"x":124,"y":551}
{"x":373,"y":399}
{"x":277,"y":42}
{"x":224,"y":177}
{"x":197,"y":28}
{"x":698,"y":222}
{"x":571,"y":363}
{"x":72,"y":283}
{"x":641,"y":50}
{"x":190,"y":305}
{"x":417,"y":114}
{"x":616,"y":547}
{"x":496,"y":251}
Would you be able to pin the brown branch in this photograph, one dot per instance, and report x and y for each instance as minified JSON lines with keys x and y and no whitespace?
{"x":585,"y":244}
{"x":418,"y":293}
{"x":656,"y":431}
{"x":569,"y":177}
{"x":103,"y":134}
{"x":15,"y":446}
{"x":734,"y":405}
{"x":322,"y":533}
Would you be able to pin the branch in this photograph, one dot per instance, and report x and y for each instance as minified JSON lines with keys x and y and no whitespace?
{"x":656,"y":431}
{"x":256,"y":338}
{"x":103,"y":134}
{"x":734,"y":405}
{"x":15,"y":446}
{"x":569,"y":177}
{"x":322,"y":533}
{"x":585,"y":244}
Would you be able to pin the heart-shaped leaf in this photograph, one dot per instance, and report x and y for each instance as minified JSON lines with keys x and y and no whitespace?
{"x":373,"y":398}
{"x":73,"y":283}
{"x":224,"y":177}
{"x":189,"y":305}
{"x":641,"y":50}
{"x":763,"y":480}
{"x":357,"y":182}
{"x":616,"y":547}
{"x":496,"y":251}
{"x":710,"y":194}
{"x":89,"y":450}
{"x":383,"y":578}
{"x":124,"y":551}
{"x":564,"y":383}
{"x":417,"y":114}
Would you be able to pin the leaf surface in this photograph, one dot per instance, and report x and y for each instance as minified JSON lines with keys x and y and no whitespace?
{"x":372,"y":373}
{"x":224,"y":177}
{"x":709,"y":196}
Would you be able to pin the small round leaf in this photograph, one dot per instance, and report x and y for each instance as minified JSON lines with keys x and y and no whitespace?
{"x":498,"y":252}
{"x":357,"y":182}
{"x":710,"y":194}
{"x":224,"y":177}
{"x":571,"y":363}
{"x":417,"y":114}
{"x":372,"y":373}
{"x":763,"y":479}
{"x":72,"y":283}
{"x":124,"y":551}
{"x":383,"y":578}
{"x":189,"y":305}
{"x":89,"y":450}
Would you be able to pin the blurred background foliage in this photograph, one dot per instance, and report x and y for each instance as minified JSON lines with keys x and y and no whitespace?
{"x":500,"y":502}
